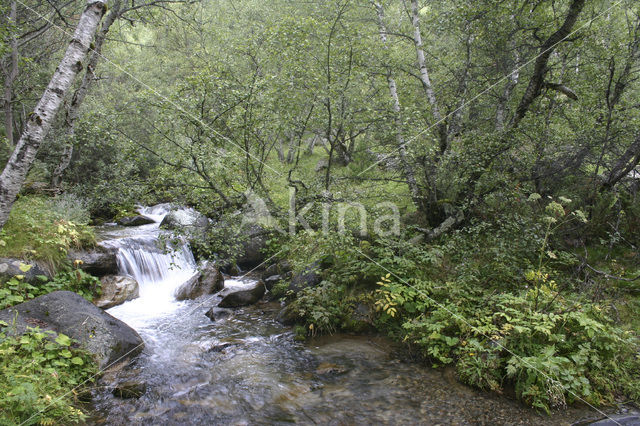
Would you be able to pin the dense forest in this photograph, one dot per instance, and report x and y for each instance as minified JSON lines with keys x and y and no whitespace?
{"x":466,"y":173}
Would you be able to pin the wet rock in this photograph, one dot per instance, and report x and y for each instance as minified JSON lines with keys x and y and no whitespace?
{"x":135,"y":221}
{"x":309,"y":277}
{"x":216,"y":314}
{"x":615,"y":420}
{"x":185,"y":218}
{"x":333,"y":369}
{"x":66,"y":312}
{"x":129,"y":389}
{"x":272,"y":280}
{"x":222,"y":347}
{"x":117,"y":289}
{"x":9,"y":268}
{"x":270,"y":271}
{"x":243,"y":296}
{"x":100,"y":261}
{"x":208,"y":281}
{"x":286,"y":316}
{"x":254,"y":241}
{"x":282,"y":268}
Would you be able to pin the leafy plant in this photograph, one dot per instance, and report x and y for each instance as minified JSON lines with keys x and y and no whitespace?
{"x":36,"y":231}
{"x":17,"y":290}
{"x":43,"y":376}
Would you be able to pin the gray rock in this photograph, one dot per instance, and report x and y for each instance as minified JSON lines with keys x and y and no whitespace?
{"x":270,"y":271}
{"x":221,"y":347}
{"x":117,"y":289}
{"x":129,"y":389}
{"x":321,"y":164}
{"x":281,"y":268}
{"x":216,"y":314}
{"x":626,"y":420}
{"x":9,"y":268}
{"x":100,"y":261}
{"x":135,"y":221}
{"x":244,"y":296}
{"x":286,"y":316}
{"x":185,"y":218}
{"x":254,"y":241}
{"x":66,"y":312}
{"x":208,"y":281}
{"x":271,"y":281}
{"x":309,"y":277}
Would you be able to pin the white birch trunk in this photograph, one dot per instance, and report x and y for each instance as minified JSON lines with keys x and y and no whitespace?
{"x":80,"y":94}
{"x":40,"y":121}
{"x":393,"y":91}
{"x":10,"y":74}
{"x":426,"y":80}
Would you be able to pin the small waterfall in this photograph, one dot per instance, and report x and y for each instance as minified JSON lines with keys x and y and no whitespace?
{"x":159,"y":270}
{"x":152,"y":266}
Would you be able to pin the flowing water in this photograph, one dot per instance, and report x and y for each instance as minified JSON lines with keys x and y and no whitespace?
{"x":247,"y":368}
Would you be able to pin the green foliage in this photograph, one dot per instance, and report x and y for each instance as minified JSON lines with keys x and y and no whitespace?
{"x":43,"y":229}
{"x":323,"y":308}
{"x":43,"y":376}
{"x":16,"y":290}
{"x":498,"y":300}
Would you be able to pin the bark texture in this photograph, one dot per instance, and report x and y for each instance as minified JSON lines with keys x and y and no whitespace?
{"x":10,"y":73}
{"x":536,"y":82}
{"x":440,"y":124}
{"x":41,"y":119}
{"x":80,"y":94}
{"x":409,"y":173}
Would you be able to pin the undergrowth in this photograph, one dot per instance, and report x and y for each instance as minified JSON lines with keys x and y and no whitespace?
{"x":502,"y":300}
{"x":45,"y":229}
{"x":43,"y":377}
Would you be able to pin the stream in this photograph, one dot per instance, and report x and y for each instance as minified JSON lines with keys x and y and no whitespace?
{"x":248,"y":369}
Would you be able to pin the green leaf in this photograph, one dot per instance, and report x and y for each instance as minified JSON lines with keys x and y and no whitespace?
{"x":77,"y":360}
{"x":25,"y":267}
{"x":63,"y":340}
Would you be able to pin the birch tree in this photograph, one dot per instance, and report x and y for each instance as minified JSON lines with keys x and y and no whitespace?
{"x":41,"y":119}
{"x":80,"y":94}
{"x":393,"y":92}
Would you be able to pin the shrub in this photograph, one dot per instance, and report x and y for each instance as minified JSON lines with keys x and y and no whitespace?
{"x":16,"y":290}
{"x":42,"y":376}
{"x":37,"y":229}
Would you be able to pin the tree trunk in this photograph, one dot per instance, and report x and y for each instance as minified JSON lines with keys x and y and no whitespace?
{"x":10,"y":74}
{"x":628,"y":161}
{"x":512,"y":82}
{"x":426,"y":81}
{"x":41,"y":119}
{"x":291,"y":152}
{"x":80,"y":94}
{"x":540,"y":69}
{"x":393,"y":91}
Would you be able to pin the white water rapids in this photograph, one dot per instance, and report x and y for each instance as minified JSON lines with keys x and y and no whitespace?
{"x":158,"y":270}
{"x":248,"y":369}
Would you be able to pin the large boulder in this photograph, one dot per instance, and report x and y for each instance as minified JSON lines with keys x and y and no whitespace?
{"x":309,"y":277}
{"x":187,"y":219}
{"x":135,"y":221}
{"x":282,"y":268}
{"x":65,"y":312}
{"x":100,"y":261}
{"x":117,"y":289}
{"x":208,"y":281}
{"x":254,"y":241}
{"x":242,"y":296}
{"x":9,"y":268}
